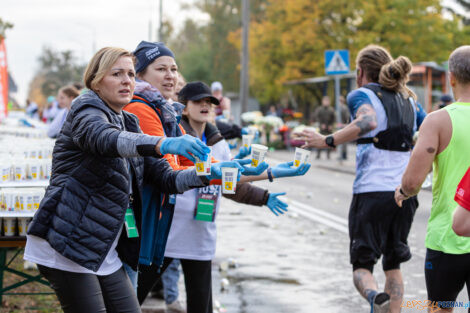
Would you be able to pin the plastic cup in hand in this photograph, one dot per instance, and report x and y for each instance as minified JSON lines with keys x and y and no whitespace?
{"x":301,"y":156}
{"x":203,"y":168}
{"x":9,"y":227}
{"x":229,"y":179}
{"x":247,"y":140}
{"x":258,"y":152}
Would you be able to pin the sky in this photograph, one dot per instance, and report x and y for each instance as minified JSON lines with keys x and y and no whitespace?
{"x":80,"y":26}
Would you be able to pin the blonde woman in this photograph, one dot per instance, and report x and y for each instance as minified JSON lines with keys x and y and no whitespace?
{"x":89,"y":220}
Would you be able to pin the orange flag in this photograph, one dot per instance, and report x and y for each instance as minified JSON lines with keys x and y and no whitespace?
{"x":3,"y":80}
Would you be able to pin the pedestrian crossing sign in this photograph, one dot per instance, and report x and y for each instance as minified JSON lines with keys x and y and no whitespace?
{"x":336,"y":62}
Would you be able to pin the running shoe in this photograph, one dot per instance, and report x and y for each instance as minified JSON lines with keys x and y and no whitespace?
{"x":381,"y":303}
{"x":175,"y":307}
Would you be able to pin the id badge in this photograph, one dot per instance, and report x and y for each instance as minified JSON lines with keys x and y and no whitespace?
{"x":131,"y":227}
{"x":206,"y":203}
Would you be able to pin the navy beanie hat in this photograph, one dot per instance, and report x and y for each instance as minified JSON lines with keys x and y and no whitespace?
{"x":147,"y":52}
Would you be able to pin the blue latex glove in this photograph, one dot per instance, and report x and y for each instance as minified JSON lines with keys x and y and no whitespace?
{"x":245,"y":131}
{"x":275,"y":205}
{"x":243,"y":152}
{"x":187,"y":146}
{"x":286,"y":170}
{"x":232,"y":145}
{"x":253,"y":171}
{"x":216,"y":169}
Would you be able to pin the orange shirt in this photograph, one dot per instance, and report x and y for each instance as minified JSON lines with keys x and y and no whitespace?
{"x":151,"y":124}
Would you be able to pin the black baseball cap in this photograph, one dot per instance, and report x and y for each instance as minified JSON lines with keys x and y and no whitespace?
{"x":196,"y":91}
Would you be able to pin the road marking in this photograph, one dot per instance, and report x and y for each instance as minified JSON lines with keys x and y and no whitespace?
{"x":325,"y":218}
{"x":320,"y":212}
{"x":322,"y":220}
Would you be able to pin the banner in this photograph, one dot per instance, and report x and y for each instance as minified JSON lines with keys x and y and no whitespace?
{"x":3,"y":80}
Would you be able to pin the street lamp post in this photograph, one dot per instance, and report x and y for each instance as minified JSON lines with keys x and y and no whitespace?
{"x":244,"y":76}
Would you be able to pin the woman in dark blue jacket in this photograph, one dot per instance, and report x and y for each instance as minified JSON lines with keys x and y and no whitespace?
{"x":100,"y":162}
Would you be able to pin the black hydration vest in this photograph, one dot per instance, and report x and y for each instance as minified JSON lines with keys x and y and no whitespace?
{"x":400,"y":121}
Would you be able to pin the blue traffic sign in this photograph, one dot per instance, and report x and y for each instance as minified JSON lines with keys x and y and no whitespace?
{"x":337,"y":62}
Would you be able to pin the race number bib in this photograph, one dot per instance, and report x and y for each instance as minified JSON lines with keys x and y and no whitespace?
{"x":206,"y":203}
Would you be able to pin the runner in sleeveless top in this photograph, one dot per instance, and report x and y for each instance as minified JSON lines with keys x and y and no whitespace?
{"x":377,"y":226}
{"x":443,"y":139}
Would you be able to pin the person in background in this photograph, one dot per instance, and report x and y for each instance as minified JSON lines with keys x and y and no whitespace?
{"x":65,"y":97}
{"x":325,"y":117}
{"x":445,"y":101}
{"x":272,"y":111}
{"x":32,"y":109}
{"x":88,"y":223}
{"x":51,"y":110}
{"x":225,"y":106}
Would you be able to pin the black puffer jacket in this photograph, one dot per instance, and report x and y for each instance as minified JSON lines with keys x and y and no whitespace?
{"x":84,"y":206}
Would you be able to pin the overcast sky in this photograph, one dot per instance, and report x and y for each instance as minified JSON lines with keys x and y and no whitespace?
{"x":79,"y":24}
{"x":76,"y":25}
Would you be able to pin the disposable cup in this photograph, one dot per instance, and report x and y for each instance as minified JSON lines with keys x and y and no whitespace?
{"x":23,"y":225}
{"x":10,"y":199}
{"x":9,"y":226}
{"x":258,"y":152}
{"x":229,"y":179}
{"x":34,"y":170}
{"x":301,"y":156}
{"x":247,"y":140}
{"x":203,"y":168}
{"x":6,"y":171}
{"x":226,"y":114}
{"x":20,"y":172}
{"x":37,"y":196}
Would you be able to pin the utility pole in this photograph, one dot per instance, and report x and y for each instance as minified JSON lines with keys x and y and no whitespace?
{"x":160,"y":27}
{"x":244,"y":76}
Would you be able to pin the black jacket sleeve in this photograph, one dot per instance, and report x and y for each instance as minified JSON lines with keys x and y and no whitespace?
{"x":228,"y":130}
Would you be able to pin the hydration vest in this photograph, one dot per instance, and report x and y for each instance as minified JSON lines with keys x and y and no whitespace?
{"x":400,"y":121}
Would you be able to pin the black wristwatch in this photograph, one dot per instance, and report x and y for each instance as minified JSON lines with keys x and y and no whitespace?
{"x":330,"y":141}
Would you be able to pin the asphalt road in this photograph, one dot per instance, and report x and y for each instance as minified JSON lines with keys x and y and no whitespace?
{"x":299,"y":262}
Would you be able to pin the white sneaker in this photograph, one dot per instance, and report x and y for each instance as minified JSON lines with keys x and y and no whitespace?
{"x":175,"y":307}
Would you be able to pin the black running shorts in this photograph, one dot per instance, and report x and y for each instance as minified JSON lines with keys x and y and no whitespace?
{"x":378,"y":226}
{"x":446,"y":274}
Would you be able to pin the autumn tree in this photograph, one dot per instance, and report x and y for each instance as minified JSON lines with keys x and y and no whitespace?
{"x":55,"y":70}
{"x":290,"y":42}
{"x":204,"y":52}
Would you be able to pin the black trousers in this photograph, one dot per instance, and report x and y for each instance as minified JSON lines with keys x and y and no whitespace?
{"x":197,"y":280}
{"x":79,"y":293}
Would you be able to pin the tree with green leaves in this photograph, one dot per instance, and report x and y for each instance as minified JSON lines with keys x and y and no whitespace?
{"x":289,"y":43}
{"x":4,"y":25}
{"x":203,"y":52}
{"x":56,"y":69}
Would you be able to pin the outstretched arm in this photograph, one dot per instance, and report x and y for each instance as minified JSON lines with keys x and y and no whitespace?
{"x":365,"y":121}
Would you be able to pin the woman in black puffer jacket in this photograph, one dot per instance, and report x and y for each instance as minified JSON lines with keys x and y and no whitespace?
{"x":100,"y":162}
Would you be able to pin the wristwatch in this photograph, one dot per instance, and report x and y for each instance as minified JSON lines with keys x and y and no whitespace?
{"x":270,"y":174}
{"x":330,"y":141}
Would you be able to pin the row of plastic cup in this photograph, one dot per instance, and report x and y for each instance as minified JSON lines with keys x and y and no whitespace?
{"x":31,"y":149}
{"x":21,"y":199}
{"x":13,"y":226}
{"x":22,"y":131}
{"x":24,"y":169}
